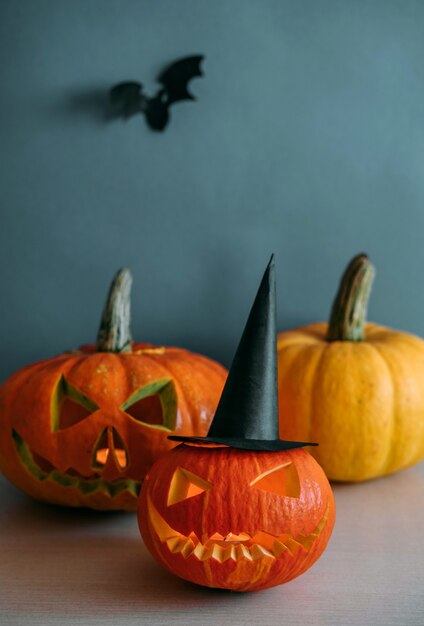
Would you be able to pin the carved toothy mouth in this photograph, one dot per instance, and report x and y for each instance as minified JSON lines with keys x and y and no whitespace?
{"x":42,"y":469}
{"x":232,"y":546}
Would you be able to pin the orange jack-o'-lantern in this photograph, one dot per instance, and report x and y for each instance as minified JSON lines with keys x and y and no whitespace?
{"x":82,"y":429}
{"x":240,"y":508}
{"x":237,"y":519}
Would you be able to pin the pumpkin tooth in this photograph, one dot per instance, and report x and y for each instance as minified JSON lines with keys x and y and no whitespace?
{"x":176,"y":544}
{"x":200,"y":552}
{"x":194,"y":538}
{"x":237,"y":537}
{"x":306,"y":541}
{"x":219,"y":553}
{"x":292,"y":545}
{"x":322,"y":523}
{"x":243,"y":552}
{"x":207,"y":553}
{"x":258,"y":552}
{"x":232,"y":552}
{"x":63,"y":479}
{"x":278,"y":548}
{"x":93,"y":485}
{"x":188,"y":548}
{"x":228,"y":553}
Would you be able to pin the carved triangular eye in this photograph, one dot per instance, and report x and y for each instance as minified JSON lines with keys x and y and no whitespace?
{"x":69,"y":406}
{"x":154,"y":405}
{"x":282,"y":480}
{"x":185,"y":484}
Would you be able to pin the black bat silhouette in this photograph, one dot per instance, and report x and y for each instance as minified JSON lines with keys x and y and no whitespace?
{"x":128,"y":99}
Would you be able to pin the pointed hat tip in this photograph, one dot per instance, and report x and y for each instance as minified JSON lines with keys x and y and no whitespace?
{"x":269,"y":275}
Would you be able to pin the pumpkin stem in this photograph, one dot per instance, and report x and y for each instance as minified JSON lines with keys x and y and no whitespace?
{"x":114,"y":333}
{"x":349,"y":310}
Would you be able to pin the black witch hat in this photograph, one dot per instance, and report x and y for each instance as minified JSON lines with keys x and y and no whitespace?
{"x":247,"y":413}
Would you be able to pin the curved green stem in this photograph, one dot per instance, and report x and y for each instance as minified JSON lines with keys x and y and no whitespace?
{"x":349,"y":310}
{"x":114,"y":333}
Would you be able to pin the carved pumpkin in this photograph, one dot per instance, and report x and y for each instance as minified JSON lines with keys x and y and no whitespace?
{"x":83,"y":429}
{"x":236,"y":519}
{"x":240,"y":508}
{"x":356,"y":387}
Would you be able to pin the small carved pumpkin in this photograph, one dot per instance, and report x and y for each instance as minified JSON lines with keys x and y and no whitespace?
{"x":356,"y":387}
{"x":240,"y":509}
{"x":83,"y":429}
{"x":236,"y":519}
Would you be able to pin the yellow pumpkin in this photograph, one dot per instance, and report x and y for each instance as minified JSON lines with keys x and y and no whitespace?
{"x":356,"y":387}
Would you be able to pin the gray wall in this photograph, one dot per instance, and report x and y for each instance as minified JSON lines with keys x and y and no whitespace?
{"x":307,"y":140}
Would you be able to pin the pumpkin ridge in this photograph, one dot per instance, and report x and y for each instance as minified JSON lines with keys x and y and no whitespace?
{"x":128,"y":377}
{"x":367,"y":446}
{"x":21,"y":378}
{"x":391,"y":464}
{"x":312,"y":426}
{"x":285,"y":370}
{"x":392,"y":439}
{"x":207,"y":565}
{"x":71,"y":367}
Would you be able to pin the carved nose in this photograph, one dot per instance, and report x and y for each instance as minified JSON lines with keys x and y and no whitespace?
{"x":110,"y":449}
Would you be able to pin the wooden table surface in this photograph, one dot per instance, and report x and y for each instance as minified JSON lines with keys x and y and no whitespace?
{"x":62,"y":566}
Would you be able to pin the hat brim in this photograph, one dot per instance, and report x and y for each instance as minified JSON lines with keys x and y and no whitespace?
{"x":266,"y":445}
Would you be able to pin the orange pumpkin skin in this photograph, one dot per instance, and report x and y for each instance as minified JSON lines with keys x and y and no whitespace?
{"x":58,"y":451}
{"x":362,"y":401}
{"x":274,"y":536}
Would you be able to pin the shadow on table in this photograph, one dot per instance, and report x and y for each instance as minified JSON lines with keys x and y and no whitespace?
{"x":43,"y":515}
{"x":86,"y":562}
{"x":82,"y":562}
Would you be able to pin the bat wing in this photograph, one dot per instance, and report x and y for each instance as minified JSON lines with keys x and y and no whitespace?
{"x":175,"y":78}
{"x":127,"y":99}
